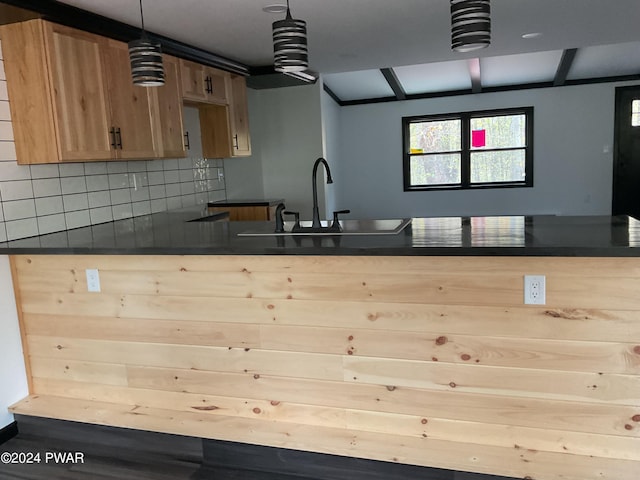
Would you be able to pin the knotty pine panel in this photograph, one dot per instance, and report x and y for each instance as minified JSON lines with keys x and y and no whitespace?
{"x":358,"y":350}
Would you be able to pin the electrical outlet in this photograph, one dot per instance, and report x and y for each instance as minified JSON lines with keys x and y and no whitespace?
{"x":93,"y":280}
{"x":535,"y":290}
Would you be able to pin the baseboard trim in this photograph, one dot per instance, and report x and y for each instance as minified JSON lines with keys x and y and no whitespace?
{"x":8,"y":432}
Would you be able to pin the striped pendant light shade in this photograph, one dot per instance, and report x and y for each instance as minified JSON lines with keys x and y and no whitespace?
{"x":290,"y":44}
{"x":470,"y":25}
{"x":146,"y":60}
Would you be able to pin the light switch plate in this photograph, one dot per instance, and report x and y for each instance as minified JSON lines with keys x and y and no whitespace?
{"x":93,"y":280}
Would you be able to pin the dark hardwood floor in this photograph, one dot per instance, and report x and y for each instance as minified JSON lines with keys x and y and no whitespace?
{"x":123,"y":454}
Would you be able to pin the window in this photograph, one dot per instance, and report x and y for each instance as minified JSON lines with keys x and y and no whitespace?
{"x":635,"y":113}
{"x":487,"y":149}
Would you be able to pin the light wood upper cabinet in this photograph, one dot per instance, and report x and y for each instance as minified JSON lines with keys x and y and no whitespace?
{"x":239,"y":113}
{"x":72,"y":98}
{"x":167,"y":112}
{"x":203,"y":84}
{"x":225,"y":129}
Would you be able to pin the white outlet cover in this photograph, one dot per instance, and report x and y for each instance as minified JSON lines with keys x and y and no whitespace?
{"x":93,"y":280}
{"x":535,"y":290}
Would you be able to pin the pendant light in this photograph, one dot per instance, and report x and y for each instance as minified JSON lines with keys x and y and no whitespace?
{"x":290,"y":44}
{"x":146,"y":60}
{"x":470,"y":25}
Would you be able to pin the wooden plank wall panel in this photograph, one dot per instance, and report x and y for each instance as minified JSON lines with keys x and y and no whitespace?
{"x":434,"y":359}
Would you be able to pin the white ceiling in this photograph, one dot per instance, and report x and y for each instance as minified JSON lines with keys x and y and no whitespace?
{"x":366,"y":35}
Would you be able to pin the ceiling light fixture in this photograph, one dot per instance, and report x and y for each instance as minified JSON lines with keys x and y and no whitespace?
{"x":275,"y":8}
{"x":470,"y":25}
{"x":146,"y":60}
{"x":290,"y":44}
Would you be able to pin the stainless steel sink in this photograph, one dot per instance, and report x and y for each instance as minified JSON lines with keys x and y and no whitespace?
{"x":349,"y":227}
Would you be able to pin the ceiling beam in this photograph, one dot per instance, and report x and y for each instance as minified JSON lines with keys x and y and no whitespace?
{"x":394,"y":83}
{"x":474,"y":72}
{"x":564,"y":66}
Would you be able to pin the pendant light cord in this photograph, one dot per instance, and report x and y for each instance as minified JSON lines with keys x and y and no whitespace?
{"x":142,"y":16}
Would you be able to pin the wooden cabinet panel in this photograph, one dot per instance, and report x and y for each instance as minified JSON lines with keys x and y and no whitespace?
{"x":239,"y":117}
{"x":166,"y":111}
{"x":130,"y":113}
{"x":246,"y":213}
{"x":72,"y":98}
{"x":205,"y":84}
{"x":80,"y":97}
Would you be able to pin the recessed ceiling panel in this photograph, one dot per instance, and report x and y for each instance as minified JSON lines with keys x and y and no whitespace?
{"x":434,"y":77}
{"x":519,"y":69}
{"x":606,"y":61}
{"x":358,"y":85}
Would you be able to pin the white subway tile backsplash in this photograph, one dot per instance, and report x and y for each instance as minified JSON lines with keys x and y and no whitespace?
{"x":171,"y":176}
{"x":5,"y":111}
{"x":13,"y":171}
{"x":3,"y":90}
{"x":72,"y":169}
{"x":137,"y":166}
{"x":44,"y":171}
{"x":157,"y":192}
{"x":170,"y":164}
{"x":51,"y":223}
{"x":95,"y":168}
{"x":187,"y":188}
{"x":217,"y":196}
{"x":75,"y":202}
{"x":16,"y":190}
{"x":118,"y":180}
{"x":22,"y":228}
{"x":116,"y":167}
{"x":49,"y":205}
{"x":186,"y":175}
{"x":138,"y":180}
{"x":99,"y":199}
{"x":140,"y":194}
{"x":122,"y":211}
{"x":3,"y":232}
{"x":73,"y":185}
{"x":154,"y":165}
{"x":97,"y":182}
{"x":6,"y":131}
{"x":156,"y":178}
{"x":158,"y":205}
{"x":77,"y":219}
{"x":101,"y":215}
{"x":202,"y":198}
{"x":120,"y":196}
{"x":19,"y":209}
{"x":141,"y":208}
{"x":188,"y":200}
{"x":174,"y":202}
{"x":2,"y":74}
{"x":46,"y":187}
{"x":1,"y":213}
{"x":7,"y":151}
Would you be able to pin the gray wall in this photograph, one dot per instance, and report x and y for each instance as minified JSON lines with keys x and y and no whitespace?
{"x":573,"y":132}
{"x":331,"y":128}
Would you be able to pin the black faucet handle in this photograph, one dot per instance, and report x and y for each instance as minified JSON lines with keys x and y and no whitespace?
{"x":279,"y":221}
{"x":336,"y":220}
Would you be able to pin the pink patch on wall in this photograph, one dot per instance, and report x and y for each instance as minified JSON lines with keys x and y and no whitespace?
{"x":478,"y":138}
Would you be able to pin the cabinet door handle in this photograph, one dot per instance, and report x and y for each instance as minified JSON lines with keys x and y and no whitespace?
{"x":112,"y":134}
{"x":209,"y":85}
{"x":119,"y":137}
{"x":235,"y":141}
{"x":187,"y":143}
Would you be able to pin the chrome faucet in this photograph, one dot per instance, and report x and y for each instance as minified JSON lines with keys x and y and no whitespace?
{"x":316,"y":212}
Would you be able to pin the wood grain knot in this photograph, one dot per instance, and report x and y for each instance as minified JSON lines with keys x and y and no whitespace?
{"x":636,"y":418}
{"x":182,"y":269}
{"x":256,"y":376}
{"x":424,"y":421}
{"x":271,"y":307}
{"x":636,"y":350}
{"x":257,"y":411}
{"x":452,"y":384}
{"x":465,"y":357}
{"x":441,"y":340}
{"x":59,"y":347}
{"x":350,"y":338}
{"x":628,"y":427}
{"x":435,"y":359}
{"x":207,"y":408}
{"x":275,"y":403}
{"x":391,"y":388}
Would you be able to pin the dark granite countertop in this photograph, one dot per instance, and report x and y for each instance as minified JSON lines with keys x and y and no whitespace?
{"x":170,"y":233}
{"x":247,"y":202}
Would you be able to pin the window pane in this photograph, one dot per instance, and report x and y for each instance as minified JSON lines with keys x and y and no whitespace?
{"x":635,"y":113}
{"x":435,"y":169}
{"x":505,"y":131}
{"x":435,"y":136}
{"x":502,"y":166}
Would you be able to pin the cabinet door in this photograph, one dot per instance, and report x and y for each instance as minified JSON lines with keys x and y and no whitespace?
{"x":241,"y":140}
{"x":193,"y":84}
{"x":216,"y":85}
{"x":130,"y":110}
{"x":80,"y":97}
{"x":167,"y":111}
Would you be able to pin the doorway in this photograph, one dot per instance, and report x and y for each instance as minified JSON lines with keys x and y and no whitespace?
{"x":626,"y":156}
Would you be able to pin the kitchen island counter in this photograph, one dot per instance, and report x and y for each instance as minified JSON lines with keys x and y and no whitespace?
{"x":171,"y":233}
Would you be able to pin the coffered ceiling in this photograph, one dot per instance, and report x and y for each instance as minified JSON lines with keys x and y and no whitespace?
{"x":357,"y":44}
